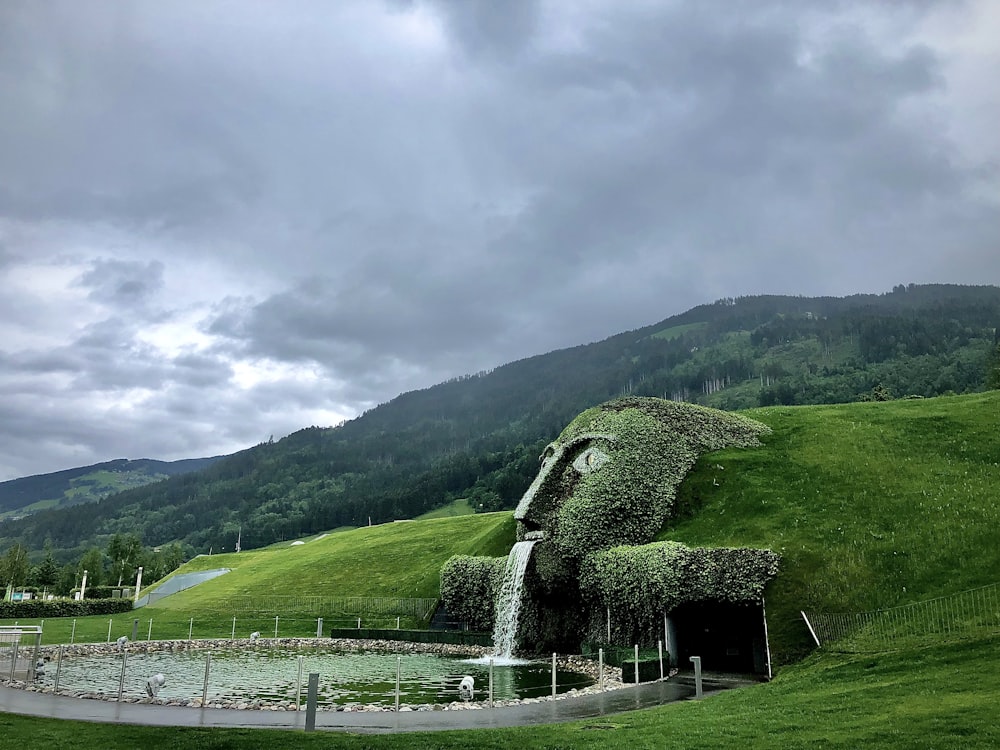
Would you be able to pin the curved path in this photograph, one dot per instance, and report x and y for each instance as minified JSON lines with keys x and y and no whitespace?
{"x":569,"y":709}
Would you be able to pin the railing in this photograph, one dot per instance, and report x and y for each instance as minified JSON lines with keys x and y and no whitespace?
{"x":966,"y":614}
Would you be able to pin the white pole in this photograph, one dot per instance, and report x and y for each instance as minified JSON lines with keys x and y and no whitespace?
{"x":208,"y":669}
{"x":397,"y":622}
{"x":138,"y":584}
{"x":600,"y":668}
{"x":149,"y":634}
{"x":659,"y":645}
{"x":233,"y":636}
{"x":399,"y":662}
{"x":553,"y":674}
{"x":109,"y":630}
{"x":491,"y":682}
{"x":359,"y":623}
{"x":62,"y":650}
{"x":72,"y":635}
{"x":83,"y":586}
{"x":121,"y":680}
{"x":276,"y":626}
{"x":190,"y":628}
{"x":298,"y":685}
{"x":636,"y":664}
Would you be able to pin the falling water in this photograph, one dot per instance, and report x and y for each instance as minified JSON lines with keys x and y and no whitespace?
{"x":508,"y":605}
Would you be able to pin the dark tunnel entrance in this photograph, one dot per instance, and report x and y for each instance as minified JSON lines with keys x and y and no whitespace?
{"x":727,"y":637}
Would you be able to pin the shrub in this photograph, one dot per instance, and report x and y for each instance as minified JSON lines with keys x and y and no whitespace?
{"x":641,"y":583}
{"x":469,"y":586}
{"x":36,"y":608}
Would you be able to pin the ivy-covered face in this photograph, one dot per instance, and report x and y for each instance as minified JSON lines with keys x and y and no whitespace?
{"x":611,"y":477}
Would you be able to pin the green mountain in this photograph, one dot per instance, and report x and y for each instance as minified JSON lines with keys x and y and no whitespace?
{"x":86,"y":484}
{"x":478,"y":437}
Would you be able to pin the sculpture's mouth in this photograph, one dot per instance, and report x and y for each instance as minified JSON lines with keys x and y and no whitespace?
{"x":537,"y":535}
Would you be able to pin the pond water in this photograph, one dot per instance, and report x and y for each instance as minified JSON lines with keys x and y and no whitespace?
{"x":271,"y":675}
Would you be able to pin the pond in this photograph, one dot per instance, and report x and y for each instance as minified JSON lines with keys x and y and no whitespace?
{"x":271,"y":674}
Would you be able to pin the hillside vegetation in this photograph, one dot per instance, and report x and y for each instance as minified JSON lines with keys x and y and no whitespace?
{"x":87,"y":484}
{"x":478,"y":437}
{"x":871,"y":505}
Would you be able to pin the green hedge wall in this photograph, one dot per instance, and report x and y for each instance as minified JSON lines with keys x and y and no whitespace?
{"x":35,"y":608}
{"x":640,"y":583}
{"x":469,"y":586}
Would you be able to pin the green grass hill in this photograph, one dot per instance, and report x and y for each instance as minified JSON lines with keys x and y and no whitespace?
{"x":871,"y":505}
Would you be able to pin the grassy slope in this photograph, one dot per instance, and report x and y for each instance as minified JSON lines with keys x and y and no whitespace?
{"x":870,"y":504}
{"x":458,"y":507}
{"x":395,"y":559}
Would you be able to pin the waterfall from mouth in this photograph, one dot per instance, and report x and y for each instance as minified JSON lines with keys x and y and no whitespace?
{"x":508,"y":604}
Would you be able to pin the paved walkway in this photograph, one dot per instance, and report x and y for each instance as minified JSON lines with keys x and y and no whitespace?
{"x":569,"y":709}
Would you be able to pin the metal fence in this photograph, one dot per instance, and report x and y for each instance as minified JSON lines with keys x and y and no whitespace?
{"x":364,"y":606}
{"x":966,"y":614}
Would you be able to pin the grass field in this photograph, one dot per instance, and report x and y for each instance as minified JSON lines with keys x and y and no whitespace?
{"x":871,"y":505}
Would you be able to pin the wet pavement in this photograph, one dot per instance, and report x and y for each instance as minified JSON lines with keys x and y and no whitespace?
{"x":546,"y":712}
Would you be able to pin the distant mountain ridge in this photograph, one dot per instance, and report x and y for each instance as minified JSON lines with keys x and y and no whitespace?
{"x":88,"y":483}
{"x":479,"y":436}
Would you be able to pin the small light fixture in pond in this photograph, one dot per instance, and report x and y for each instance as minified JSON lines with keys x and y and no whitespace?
{"x":154,"y":683}
{"x":467,"y":688}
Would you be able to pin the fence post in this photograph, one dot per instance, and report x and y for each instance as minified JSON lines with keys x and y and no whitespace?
{"x":208,"y":669}
{"x":636,"y":664}
{"x":359,"y":623}
{"x":55,"y":687}
{"x":233,"y":636}
{"x":121,"y":679}
{"x":275,"y":627}
{"x":298,"y":685}
{"x":319,"y":627}
{"x":72,"y":634}
{"x":491,"y":682}
{"x":696,"y":660}
{"x":190,"y":628}
{"x":109,"y":629}
{"x":399,"y":662}
{"x":311,"y":701}
{"x":13,"y":658}
{"x":553,"y":674}
{"x":149,"y":633}
{"x":600,"y":668}
{"x":659,"y":645}
{"x":135,"y":629}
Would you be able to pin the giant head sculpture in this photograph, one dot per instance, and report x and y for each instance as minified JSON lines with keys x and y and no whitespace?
{"x":611,"y":476}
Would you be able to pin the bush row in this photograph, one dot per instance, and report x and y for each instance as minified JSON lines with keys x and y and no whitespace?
{"x":35,"y":608}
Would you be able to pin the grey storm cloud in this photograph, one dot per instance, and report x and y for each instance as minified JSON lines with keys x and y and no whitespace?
{"x":221,"y":220}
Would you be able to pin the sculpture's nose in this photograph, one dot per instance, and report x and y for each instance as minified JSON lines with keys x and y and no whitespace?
{"x":538,"y":498}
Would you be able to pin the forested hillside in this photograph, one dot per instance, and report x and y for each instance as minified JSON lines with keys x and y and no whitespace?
{"x":86,"y":484}
{"x":479,"y":436}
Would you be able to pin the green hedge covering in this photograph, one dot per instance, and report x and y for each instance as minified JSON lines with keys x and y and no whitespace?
{"x":35,"y":608}
{"x":640,"y":583}
{"x":469,"y":587}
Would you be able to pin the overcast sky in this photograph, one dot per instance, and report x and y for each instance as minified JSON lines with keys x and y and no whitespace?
{"x":222,"y":221}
